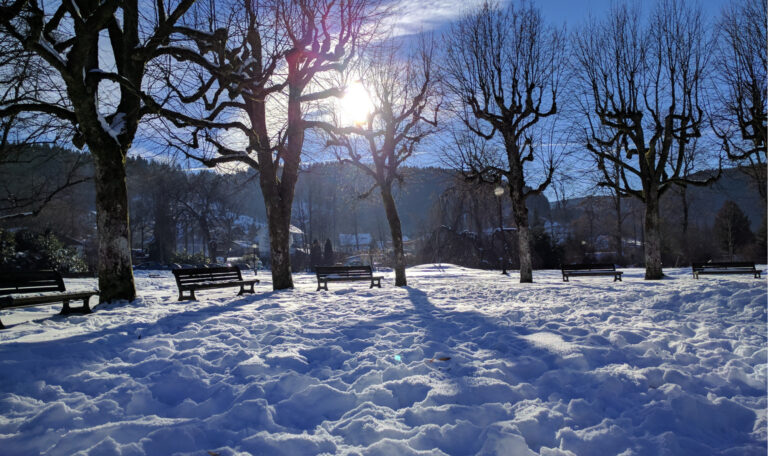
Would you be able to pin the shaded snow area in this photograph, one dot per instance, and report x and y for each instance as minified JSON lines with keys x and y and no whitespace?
{"x":461,"y":362}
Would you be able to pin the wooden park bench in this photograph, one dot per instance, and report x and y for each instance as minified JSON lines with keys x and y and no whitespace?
{"x":327,"y":274}
{"x":206,"y":278}
{"x":593,"y":269}
{"x":32,"y":288}
{"x":733,"y":267}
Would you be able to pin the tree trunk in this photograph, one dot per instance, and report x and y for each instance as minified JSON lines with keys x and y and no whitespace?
{"x":397,"y":236}
{"x":619,"y":246}
{"x":279,"y":222}
{"x":523,"y":237}
{"x":652,"y":237}
{"x":114,"y":253}
{"x":684,"y":228}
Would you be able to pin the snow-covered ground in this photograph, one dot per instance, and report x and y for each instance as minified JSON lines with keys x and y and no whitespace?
{"x":461,"y":362}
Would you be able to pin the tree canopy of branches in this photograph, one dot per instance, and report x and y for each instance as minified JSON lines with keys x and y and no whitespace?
{"x":503,"y":66}
{"x":24,"y":190}
{"x":742,"y":86}
{"x":83,"y":64}
{"x":405,"y":105}
{"x":258,"y":85}
{"x":731,"y":228}
{"x":642,"y":87}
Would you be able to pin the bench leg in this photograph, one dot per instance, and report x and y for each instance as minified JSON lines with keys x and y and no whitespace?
{"x":1,"y":325}
{"x":67,"y":310}
{"x":191,"y":296}
{"x":617,"y":278}
{"x":322,"y":286}
{"x":86,"y":306}
{"x":565,"y":278}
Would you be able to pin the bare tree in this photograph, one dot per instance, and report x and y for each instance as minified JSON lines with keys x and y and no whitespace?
{"x":642,"y":90}
{"x":260,"y":83}
{"x":503,"y":66}
{"x":405,"y":105}
{"x":88,"y":66}
{"x":25,"y":195}
{"x":741,"y":60}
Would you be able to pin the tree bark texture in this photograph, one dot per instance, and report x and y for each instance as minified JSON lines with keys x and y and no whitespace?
{"x":653,"y":266}
{"x":279,"y":222}
{"x":114,"y":250}
{"x":520,"y":211}
{"x":396,"y":231}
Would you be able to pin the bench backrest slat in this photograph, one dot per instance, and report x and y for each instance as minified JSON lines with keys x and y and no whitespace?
{"x":30,"y":282}
{"x":201,"y":275}
{"x":724,"y":265}
{"x":343,"y":271}
{"x":589,"y":267}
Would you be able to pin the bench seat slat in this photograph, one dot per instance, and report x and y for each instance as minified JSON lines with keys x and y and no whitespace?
{"x":30,"y":300}
{"x":208,"y":285}
{"x":348,"y":279}
{"x":594,"y":272}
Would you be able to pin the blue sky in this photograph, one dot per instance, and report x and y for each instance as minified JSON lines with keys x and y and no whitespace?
{"x":428,"y":14}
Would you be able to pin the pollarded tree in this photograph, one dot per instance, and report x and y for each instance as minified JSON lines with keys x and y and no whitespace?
{"x":503,"y":66}
{"x":641,"y":93}
{"x":742,"y":86}
{"x":87,"y":68}
{"x":405,"y":104}
{"x":259,"y":86}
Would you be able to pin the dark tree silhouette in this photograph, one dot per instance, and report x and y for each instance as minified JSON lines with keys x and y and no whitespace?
{"x":328,"y":256}
{"x":742,"y":118}
{"x":315,"y":254}
{"x":56,"y":69}
{"x":732,"y":228}
{"x":503,"y":66}
{"x":642,"y":89}
{"x":260,"y":83}
{"x":405,"y":102}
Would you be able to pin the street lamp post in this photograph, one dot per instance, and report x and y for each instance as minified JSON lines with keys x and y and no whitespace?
{"x":499,"y":192}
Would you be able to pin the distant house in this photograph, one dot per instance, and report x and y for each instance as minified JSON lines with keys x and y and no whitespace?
{"x":355,"y":242}
{"x":260,"y":236}
{"x":255,"y":237}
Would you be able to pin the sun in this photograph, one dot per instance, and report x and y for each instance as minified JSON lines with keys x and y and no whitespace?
{"x":355,"y":105}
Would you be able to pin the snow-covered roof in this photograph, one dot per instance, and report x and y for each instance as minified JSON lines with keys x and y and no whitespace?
{"x":295,"y":230}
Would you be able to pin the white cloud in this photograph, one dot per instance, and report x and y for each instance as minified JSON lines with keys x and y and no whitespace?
{"x":413,"y":17}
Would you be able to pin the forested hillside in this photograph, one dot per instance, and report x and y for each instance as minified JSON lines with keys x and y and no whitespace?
{"x":174,"y":209}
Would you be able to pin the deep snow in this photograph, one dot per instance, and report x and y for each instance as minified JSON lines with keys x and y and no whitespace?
{"x":461,"y":362}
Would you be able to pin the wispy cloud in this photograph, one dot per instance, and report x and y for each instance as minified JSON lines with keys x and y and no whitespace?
{"x":424,"y":15}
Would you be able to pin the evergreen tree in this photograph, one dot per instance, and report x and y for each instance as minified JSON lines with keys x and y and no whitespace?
{"x":328,"y":256}
{"x":315,"y":254}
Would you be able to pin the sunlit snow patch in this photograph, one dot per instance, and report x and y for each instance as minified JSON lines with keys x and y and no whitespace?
{"x":551,"y":342}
